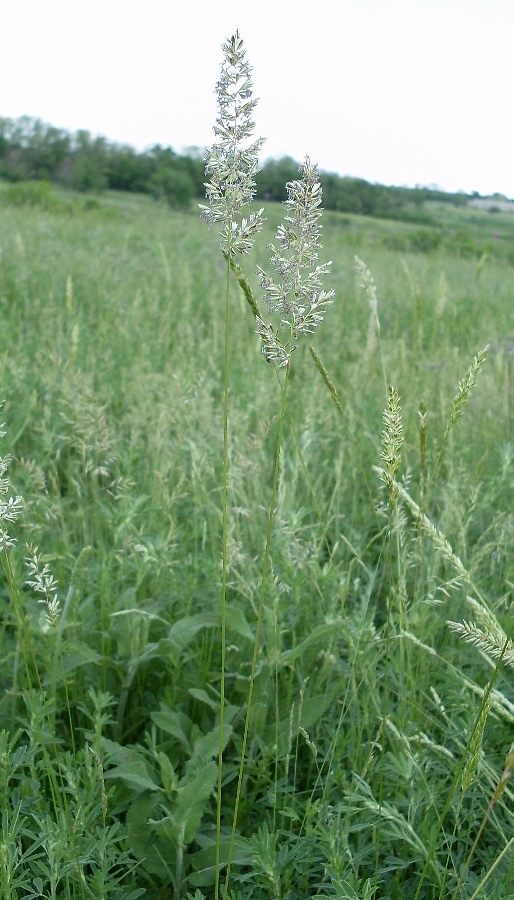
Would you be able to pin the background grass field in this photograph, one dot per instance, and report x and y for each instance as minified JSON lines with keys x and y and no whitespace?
{"x":111,"y":370}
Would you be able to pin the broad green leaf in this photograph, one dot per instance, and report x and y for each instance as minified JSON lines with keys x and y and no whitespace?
{"x":153,"y":853}
{"x":207,"y":746}
{"x":174,"y":723}
{"x":237,"y":623}
{"x":182,"y":633}
{"x":214,"y":704}
{"x":134,"y":774}
{"x":192,"y":799}
{"x":180,"y":824}
{"x":319,"y":634}
{"x":203,"y":697}
{"x":167,"y":829}
{"x":75,"y":655}
{"x":131,"y":767}
{"x":168,"y":777}
{"x":180,"y":636}
{"x":204,"y":861}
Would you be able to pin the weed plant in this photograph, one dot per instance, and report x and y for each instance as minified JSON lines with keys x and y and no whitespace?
{"x":238,"y":621}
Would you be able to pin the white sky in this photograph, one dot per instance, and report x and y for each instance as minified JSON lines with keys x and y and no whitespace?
{"x":394,"y":91}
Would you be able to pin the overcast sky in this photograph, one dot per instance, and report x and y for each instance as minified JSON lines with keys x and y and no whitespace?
{"x":394,"y":91}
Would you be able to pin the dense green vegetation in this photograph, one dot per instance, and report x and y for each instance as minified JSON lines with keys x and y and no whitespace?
{"x":358,"y":781}
{"x":33,"y":151}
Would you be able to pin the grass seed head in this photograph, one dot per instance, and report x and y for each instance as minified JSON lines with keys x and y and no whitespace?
{"x":392,"y":442}
{"x":232,"y":161}
{"x":368,"y":285}
{"x":296,"y":293}
{"x":43,"y":582}
{"x":465,"y":387}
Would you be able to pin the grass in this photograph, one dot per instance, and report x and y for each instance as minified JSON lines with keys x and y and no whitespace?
{"x":368,"y":712}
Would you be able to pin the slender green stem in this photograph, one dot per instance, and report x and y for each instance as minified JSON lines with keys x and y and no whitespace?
{"x":493,"y":868}
{"x":223,"y":583}
{"x":257,"y":634}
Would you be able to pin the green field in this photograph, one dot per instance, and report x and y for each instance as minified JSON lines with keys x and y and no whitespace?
{"x":377,"y":736}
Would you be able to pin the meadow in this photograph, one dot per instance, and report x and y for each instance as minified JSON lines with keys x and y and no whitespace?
{"x":375,"y":764}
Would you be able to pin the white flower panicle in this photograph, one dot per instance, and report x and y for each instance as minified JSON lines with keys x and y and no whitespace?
{"x":232,"y":163}
{"x":296,"y":294}
{"x":10,"y":506}
{"x":43,"y":582}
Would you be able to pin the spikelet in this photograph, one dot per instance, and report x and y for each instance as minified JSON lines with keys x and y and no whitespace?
{"x":232,"y":162}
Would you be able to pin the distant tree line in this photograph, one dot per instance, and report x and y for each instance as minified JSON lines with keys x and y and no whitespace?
{"x":31,"y":150}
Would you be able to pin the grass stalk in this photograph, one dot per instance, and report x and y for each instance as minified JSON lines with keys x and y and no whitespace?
{"x":492,"y":870}
{"x":223,"y":576}
{"x":255,"y":654}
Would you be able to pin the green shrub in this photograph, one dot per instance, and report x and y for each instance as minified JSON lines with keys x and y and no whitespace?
{"x":425,"y":240}
{"x":30,"y":193}
{"x":173,"y":186}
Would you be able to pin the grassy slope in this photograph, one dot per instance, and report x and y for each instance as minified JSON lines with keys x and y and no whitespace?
{"x":110,"y":366}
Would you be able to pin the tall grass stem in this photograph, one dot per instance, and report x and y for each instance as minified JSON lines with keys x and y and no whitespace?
{"x":265,"y":566}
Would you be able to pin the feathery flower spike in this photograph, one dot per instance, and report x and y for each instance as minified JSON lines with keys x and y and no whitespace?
{"x":232,"y":162}
{"x":296,"y":295}
{"x":392,"y":442}
{"x":43,"y":582}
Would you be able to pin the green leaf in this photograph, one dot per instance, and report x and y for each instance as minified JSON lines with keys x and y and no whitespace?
{"x":203,"y":697}
{"x":192,"y":799}
{"x":142,"y":840}
{"x":204,"y":861}
{"x":311,"y":711}
{"x":180,"y":636}
{"x":131,"y":769}
{"x":237,"y":623}
{"x":318,"y":635}
{"x":343,"y":891}
{"x":134,"y":774}
{"x":173,"y":723}
{"x":168,"y":777}
{"x":76,"y":655}
{"x":214,"y":704}
{"x":179,"y":826}
{"x":182,"y":633}
{"x":207,"y":746}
